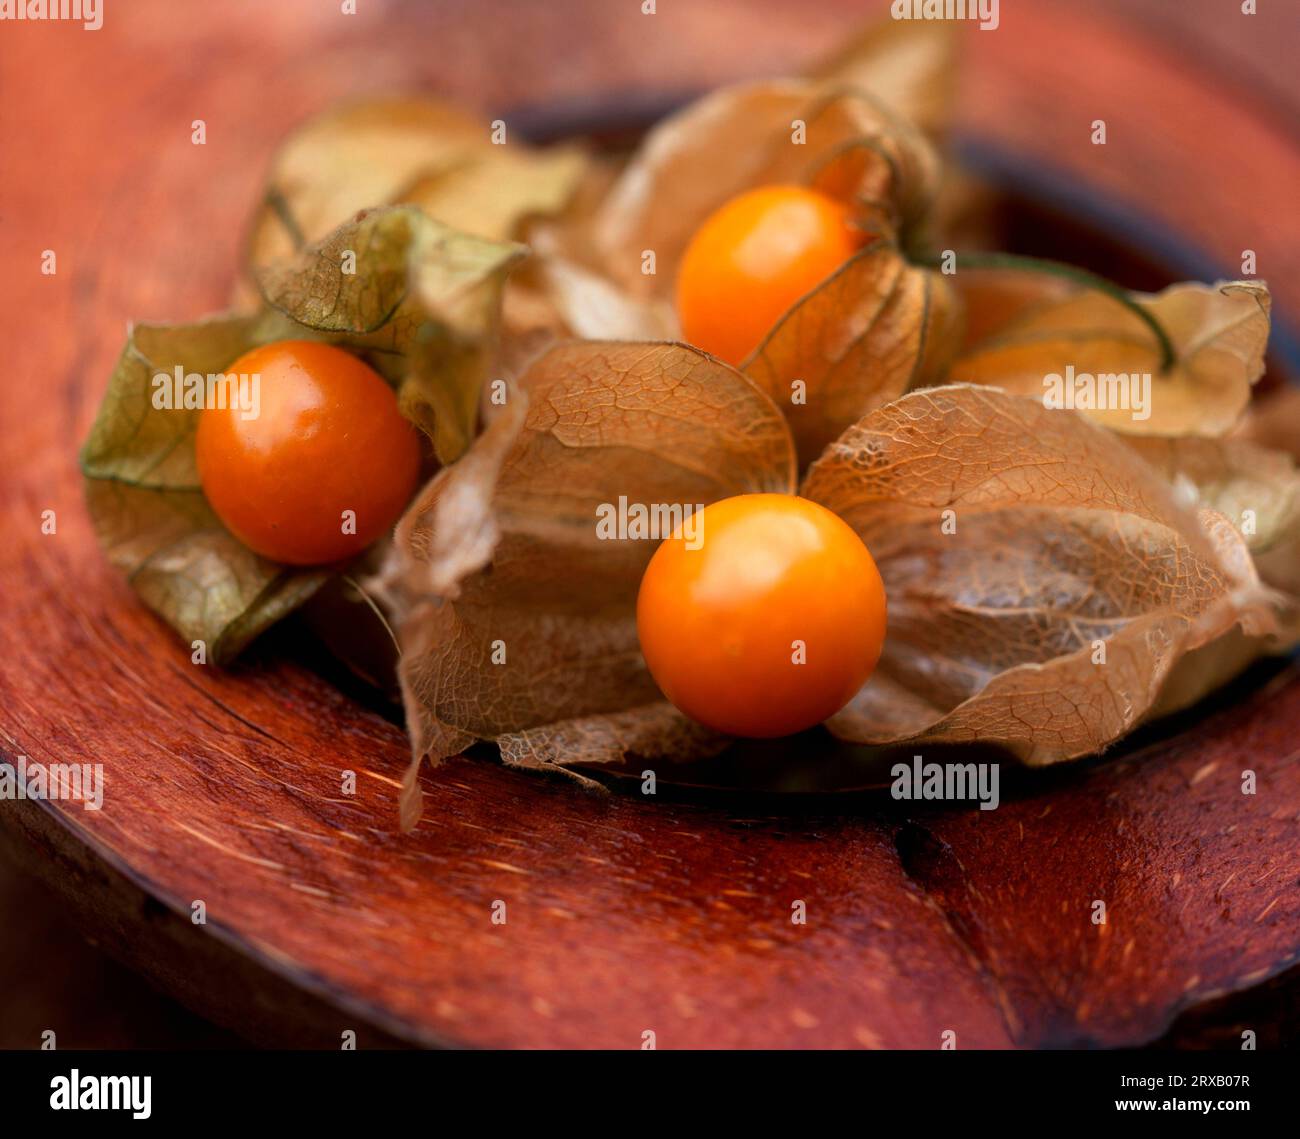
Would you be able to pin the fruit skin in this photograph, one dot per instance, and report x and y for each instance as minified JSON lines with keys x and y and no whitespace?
{"x":752,"y":258}
{"x":328,"y":438}
{"x":717,"y":624}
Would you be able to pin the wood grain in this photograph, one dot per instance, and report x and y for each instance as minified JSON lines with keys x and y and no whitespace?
{"x":623,"y":915}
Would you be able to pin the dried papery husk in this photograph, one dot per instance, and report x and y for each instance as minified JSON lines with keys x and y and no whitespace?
{"x":422,"y":300}
{"x":407,"y":149}
{"x":148,"y":508}
{"x":421,"y":306}
{"x":1273,"y":420}
{"x":875,"y":328}
{"x":739,"y":138}
{"x":1257,"y":489}
{"x":910,"y":65}
{"x":860,"y":109}
{"x":1026,"y":324}
{"x":1043,"y":579}
{"x":501,"y":553}
{"x":559,"y":293}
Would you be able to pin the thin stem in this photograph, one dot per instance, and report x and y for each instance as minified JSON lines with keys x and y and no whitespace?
{"x":1072,"y":273}
{"x":370,"y":601}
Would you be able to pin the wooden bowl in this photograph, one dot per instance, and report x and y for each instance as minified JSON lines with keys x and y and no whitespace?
{"x":623,"y":916}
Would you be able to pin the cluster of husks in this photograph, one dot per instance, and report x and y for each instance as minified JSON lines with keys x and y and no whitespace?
{"x":1057,"y":571}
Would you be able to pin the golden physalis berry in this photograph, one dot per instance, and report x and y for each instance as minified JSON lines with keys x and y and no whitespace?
{"x":322,"y":469}
{"x":762,"y":615}
{"x":752,"y":258}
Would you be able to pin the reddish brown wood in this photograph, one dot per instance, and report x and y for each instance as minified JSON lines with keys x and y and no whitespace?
{"x":624,"y":915}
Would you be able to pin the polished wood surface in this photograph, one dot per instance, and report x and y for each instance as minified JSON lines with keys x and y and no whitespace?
{"x":623,"y":915}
